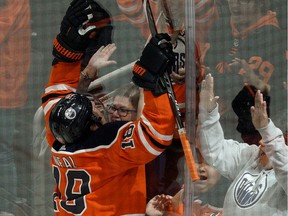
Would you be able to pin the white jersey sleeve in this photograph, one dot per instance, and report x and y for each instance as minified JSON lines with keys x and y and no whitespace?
{"x":277,"y":152}
{"x":226,"y":155}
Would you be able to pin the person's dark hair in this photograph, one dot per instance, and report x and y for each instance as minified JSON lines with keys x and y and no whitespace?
{"x":70,"y":118}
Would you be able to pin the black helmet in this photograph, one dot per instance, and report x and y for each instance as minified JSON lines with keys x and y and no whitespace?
{"x":71,"y":117}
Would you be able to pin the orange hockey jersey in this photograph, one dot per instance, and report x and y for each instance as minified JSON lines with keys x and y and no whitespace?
{"x":103,"y":174}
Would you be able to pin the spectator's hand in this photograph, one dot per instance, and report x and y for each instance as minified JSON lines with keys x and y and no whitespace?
{"x":208,"y":101}
{"x":178,"y":78}
{"x":259,"y":111}
{"x":285,"y":85}
{"x":99,"y":60}
{"x":158,"y":205}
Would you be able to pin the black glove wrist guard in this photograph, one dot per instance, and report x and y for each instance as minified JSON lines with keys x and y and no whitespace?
{"x":156,"y":59}
{"x":64,"y":52}
{"x":143,"y":78}
{"x":153,"y":60}
{"x":147,"y":80}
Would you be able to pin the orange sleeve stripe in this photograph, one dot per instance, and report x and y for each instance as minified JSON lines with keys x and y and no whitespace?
{"x":67,"y":53}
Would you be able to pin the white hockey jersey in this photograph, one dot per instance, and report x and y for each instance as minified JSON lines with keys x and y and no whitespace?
{"x":256,"y":188}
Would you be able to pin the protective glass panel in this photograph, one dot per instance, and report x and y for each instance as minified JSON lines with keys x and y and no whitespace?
{"x":243,"y":44}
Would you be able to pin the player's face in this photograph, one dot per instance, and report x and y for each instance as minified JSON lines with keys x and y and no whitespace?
{"x":244,"y":12}
{"x":122,"y":110}
{"x":98,"y":112}
{"x":209,"y":177}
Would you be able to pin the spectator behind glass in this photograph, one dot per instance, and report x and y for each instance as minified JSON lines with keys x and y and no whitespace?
{"x":124,"y":106}
{"x":164,"y":170}
{"x":209,"y":193}
{"x":252,"y":35}
{"x":14,"y":67}
{"x":259,"y":173}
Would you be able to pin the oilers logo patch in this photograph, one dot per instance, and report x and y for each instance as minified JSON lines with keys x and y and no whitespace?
{"x":70,"y":113}
{"x":249,"y":189}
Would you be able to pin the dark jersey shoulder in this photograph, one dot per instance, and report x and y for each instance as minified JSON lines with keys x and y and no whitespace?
{"x":103,"y":136}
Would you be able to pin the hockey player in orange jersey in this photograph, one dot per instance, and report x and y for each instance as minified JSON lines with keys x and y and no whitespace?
{"x":93,"y":159}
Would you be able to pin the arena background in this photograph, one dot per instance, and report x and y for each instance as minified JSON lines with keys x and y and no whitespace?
{"x":35,"y":183}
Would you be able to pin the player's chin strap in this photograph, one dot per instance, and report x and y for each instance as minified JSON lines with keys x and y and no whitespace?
{"x":174,"y":105}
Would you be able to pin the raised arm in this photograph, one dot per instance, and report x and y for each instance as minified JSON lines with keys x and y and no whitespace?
{"x":208,"y":101}
{"x":99,"y":60}
{"x":228,"y":156}
{"x":273,"y":143}
{"x":76,"y":32}
{"x":147,"y":137}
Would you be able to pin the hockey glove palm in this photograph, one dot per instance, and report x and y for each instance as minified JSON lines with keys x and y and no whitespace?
{"x":102,"y":20}
{"x":157,"y":58}
{"x":77,"y":29}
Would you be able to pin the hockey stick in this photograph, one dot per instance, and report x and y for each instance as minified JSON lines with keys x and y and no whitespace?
{"x":174,"y":105}
{"x":123,"y":71}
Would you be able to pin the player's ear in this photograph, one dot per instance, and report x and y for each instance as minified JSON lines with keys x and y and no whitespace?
{"x":94,"y":127}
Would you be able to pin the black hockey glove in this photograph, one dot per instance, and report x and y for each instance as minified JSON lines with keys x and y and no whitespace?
{"x":103,"y":22}
{"x":157,"y":58}
{"x":76,"y":30}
